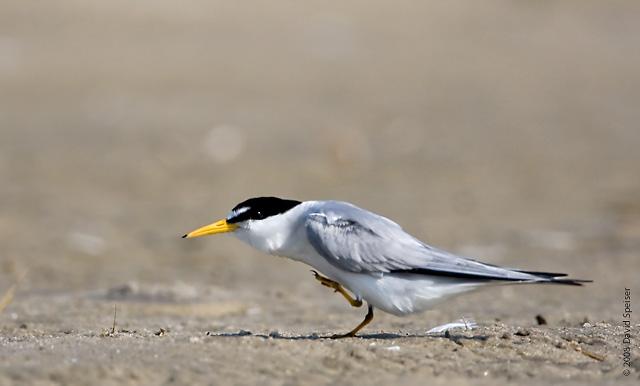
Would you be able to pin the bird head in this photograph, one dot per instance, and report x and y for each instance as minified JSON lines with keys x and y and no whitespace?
{"x":244,"y":215}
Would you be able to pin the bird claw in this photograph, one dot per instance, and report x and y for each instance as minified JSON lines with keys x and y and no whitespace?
{"x":326,"y":281}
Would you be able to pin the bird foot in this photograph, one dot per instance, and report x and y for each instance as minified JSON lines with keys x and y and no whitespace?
{"x":352,"y":334}
{"x":342,"y":336}
{"x":325,"y":281}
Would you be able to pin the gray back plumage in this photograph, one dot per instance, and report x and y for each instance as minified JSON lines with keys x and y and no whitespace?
{"x":355,"y":240}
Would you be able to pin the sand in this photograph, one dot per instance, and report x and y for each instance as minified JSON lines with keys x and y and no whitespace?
{"x":505,"y":131}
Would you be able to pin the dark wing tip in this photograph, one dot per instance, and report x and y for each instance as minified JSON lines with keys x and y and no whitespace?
{"x":549,"y":275}
{"x":577,"y":282}
{"x":542,"y":277}
{"x":185,"y":236}
{"x":557,"y":278}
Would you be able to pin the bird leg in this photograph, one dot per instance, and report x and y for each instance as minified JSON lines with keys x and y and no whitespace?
{"x":352,"y":333}
{"x":325,"y":281}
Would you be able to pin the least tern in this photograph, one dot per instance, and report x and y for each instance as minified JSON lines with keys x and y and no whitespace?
{"x":369,"y":255}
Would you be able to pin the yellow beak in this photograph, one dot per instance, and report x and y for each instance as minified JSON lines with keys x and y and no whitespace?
{"x":211,"y":229}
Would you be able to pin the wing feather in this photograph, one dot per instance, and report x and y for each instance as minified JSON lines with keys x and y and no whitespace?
{"x":355,"y":240}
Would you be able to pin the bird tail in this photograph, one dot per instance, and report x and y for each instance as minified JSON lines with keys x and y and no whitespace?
{"x":555,"y":278}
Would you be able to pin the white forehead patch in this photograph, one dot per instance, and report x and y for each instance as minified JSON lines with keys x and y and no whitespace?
{"x":237,"y":212}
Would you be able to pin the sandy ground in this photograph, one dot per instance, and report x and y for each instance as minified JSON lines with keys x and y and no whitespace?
{"x":504,"y":131}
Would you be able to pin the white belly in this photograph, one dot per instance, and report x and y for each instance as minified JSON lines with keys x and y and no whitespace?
{"x":398,"y":294}
{"x":402,"y":294}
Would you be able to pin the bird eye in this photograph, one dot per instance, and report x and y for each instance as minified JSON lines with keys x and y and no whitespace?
{"x":260,"y":216}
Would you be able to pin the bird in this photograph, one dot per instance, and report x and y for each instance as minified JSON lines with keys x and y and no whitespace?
{"x":353,"y":250}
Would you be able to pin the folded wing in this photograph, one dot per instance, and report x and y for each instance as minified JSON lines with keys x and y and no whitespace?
{"x":359,"y":241}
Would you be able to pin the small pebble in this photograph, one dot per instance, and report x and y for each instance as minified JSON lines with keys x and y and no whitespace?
{"x":506,"y":335}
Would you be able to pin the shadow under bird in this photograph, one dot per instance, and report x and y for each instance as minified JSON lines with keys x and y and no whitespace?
{"x":369,"y":255}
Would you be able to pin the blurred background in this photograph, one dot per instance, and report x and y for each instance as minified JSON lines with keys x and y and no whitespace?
{"x":504,"y":131}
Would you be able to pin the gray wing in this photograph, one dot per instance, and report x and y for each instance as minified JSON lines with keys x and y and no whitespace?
{"x":356,"y":240}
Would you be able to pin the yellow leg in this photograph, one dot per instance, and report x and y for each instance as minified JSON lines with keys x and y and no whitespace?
{"x":325,"y":281}
{"x":352,"y":333}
